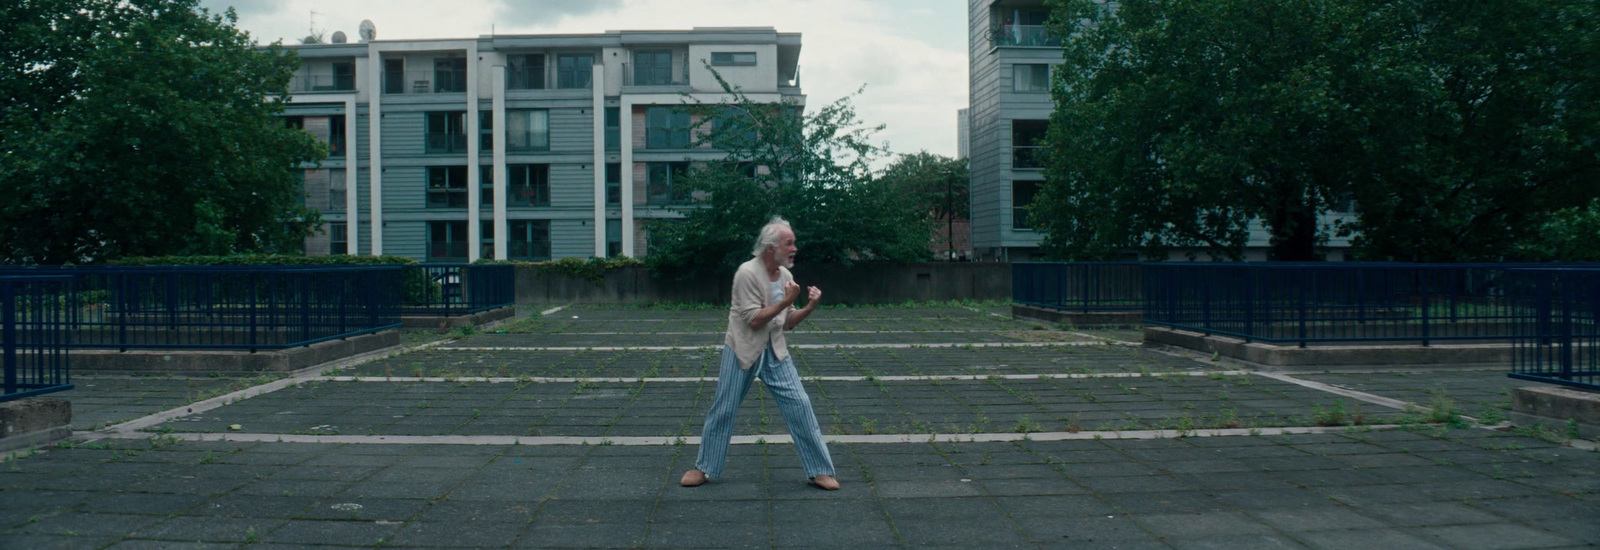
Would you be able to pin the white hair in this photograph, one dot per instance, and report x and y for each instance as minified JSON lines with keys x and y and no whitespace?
{"x":769,"y":235}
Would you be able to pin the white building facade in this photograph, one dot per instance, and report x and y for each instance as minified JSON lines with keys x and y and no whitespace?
{"x":522,"y":147}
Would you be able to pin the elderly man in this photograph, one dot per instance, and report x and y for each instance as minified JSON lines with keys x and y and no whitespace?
{"x":763,"y":308}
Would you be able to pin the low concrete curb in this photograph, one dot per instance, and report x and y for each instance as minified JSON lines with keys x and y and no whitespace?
{"x":454,"y":321}
{"x":231,"y":362}
{"x":1331,"y":356}
{"x":1557,"y":408}
{"x":1116,"y":319}
{"x":34,"y":421}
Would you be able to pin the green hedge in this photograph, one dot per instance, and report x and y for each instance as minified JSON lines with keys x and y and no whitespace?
{"x":593,"y":269}
{"x":261,"y":259}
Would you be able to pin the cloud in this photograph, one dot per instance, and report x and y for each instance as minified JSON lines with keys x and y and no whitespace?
{"x":548,"y":12}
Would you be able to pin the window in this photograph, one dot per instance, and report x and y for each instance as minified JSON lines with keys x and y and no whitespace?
{"x":394,"y":76}
{"x":613,"y":128}
{"x":1030,"y":78}
{"x":1026,"y":137}
{"x":666,"y":128}
{"x":486,"y":186}
{"x":734,"y":124}
{"x":613,"y":184}
{"x":527,"y":129}
{"x":338,"y":238}
{"x":344,"y":76}
{"x":485,"y":131}
{"x":450,"y":75}
{"x":530,"y":240}
{"x":663,"y":185}
{"x":447,"y":132}
{"x":1022,"y":193}
{"x":336,"y":188}
{"x":336,"y":136}
{"x":528,"y":185}
{"x":723,"y":59}
{"x":525,"y":72}
{"x":295,"y":122}
{"x":447,"y":187}
{"x":486,"y":239}
{"x":447,"y":241}
{"x":652,"y":68}
{"x":613,"y":238}
{"x":574,"y":70}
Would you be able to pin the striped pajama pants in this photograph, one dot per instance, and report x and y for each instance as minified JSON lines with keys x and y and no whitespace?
{"x":783,"y":383}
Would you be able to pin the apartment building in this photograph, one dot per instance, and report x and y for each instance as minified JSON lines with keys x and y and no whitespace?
{"x":1011,"y":60}
{"x":522,"y":147}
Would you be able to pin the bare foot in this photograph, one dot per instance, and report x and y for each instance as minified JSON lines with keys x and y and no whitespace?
{"x":696,"y":478}
{"x":825,"y":482}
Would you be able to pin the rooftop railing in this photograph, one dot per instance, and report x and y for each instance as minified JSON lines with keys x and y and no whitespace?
{"x":454,"y":289}
{"x":234,"y":307}
{"x":1299,"y":303}
{"x":1558,"y":341}
{"x":1079,"y":286}
{"x":33,"y":335}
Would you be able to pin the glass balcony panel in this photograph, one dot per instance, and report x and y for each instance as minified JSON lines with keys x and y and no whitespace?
{"x":1025,"y":35}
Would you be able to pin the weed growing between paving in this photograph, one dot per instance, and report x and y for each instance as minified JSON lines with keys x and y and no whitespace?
{"x":1338,"y":414}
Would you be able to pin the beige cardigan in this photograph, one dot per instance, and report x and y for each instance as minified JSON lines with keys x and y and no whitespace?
{"x":750,"y":295}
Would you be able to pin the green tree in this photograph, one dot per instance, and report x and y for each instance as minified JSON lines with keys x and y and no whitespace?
{"x":1456,"y":126}
{"x":938,"y":183}
{"x":1570,"y":234}
{"x":1490,"y":113}
{"x":142,"y":128}
{"x":812,"y":168}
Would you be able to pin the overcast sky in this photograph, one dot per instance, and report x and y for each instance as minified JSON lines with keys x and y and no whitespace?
{"x":910,"y":54}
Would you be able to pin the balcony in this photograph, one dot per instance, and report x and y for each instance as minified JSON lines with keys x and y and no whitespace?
{"x":428,"y":81}
{"x":1027,"y":158}
{"x":531,"y":78}
{"x":446,"y":142}
{"x":791,"y":80}
{"x":323,"y":83}
{"x":652,"y":78}
{"x":447,"y":251}
{"x":1035,"y":36}
{"x":528,"y":251}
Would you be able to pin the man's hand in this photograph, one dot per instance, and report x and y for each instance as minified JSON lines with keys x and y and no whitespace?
{"x":791,"y":292}
{"x":813,"y":295}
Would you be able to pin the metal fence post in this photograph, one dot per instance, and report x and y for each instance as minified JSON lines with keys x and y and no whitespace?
{"x":8,"y":320}
{"x":1566,"y":329}
{"x":305,"y":306}
{"x":1302,"y":297}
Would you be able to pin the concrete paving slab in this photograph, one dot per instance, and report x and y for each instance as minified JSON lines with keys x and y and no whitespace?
{"x":1151,"y":482}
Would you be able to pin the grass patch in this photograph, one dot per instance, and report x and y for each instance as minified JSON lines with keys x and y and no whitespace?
{"x":1339,"y":414}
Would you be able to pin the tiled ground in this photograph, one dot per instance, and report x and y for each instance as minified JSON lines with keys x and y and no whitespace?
{"x":1473,"y":392}
{"x":103,"y":400}
{"x":1422,"y":487}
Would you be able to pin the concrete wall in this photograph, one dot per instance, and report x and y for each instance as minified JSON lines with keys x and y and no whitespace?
{"x":860,"y":284}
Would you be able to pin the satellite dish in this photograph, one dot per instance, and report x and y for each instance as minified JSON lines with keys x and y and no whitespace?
{"x":338,"y":37}
{"x":369,"y":32}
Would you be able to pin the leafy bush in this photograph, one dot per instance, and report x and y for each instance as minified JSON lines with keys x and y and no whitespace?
{"x":261,"y":259}
{"x":593,"y":269}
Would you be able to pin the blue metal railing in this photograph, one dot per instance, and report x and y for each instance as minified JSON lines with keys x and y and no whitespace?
{"x":454,"y":289}
{"x":224,"y":307}
{"x":1556,"y":341}
{"x":1079,"y":286}
{"x":34,"y":335}
{"x":1332,"y":302}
